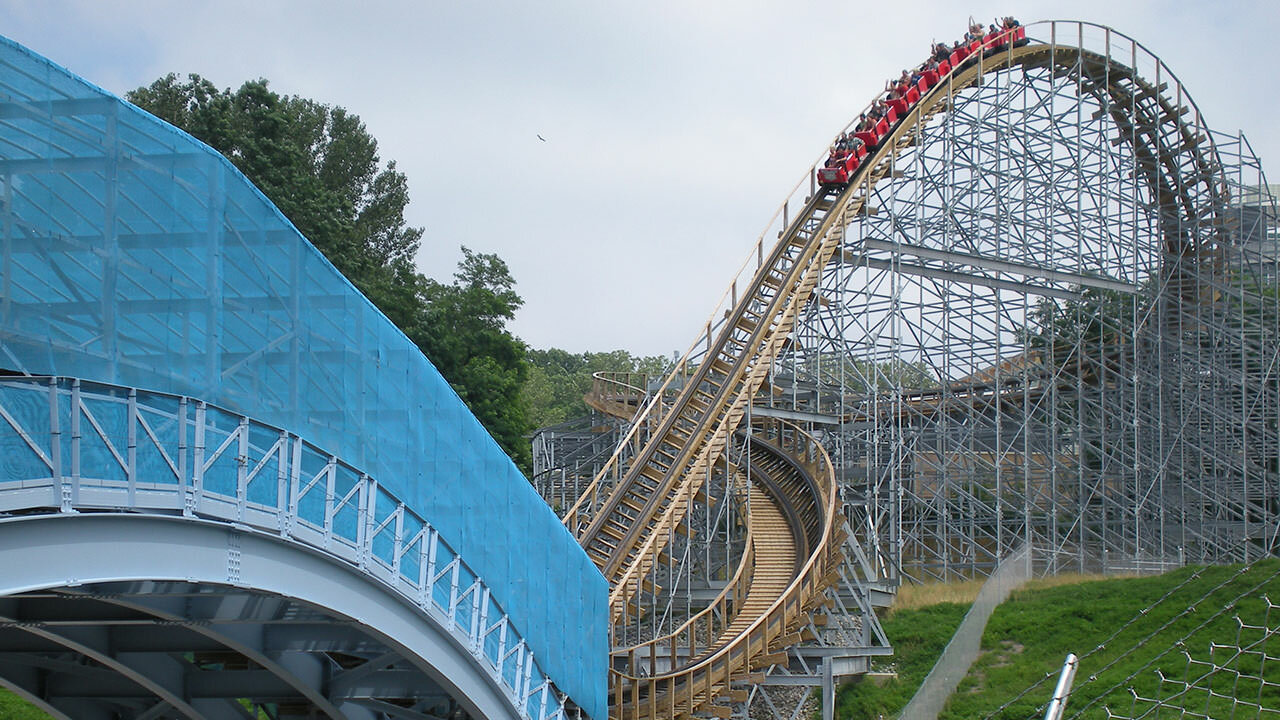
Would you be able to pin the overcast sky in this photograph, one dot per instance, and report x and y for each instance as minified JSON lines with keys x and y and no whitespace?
{"x":673,"y":129}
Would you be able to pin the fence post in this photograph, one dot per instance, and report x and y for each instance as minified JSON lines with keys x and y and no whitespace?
{"x":1058,"y":704}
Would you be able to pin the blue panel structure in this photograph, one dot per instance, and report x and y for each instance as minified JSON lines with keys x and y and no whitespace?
{"x":134,"y":254}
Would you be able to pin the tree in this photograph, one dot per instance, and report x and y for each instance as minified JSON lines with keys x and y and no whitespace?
{"x":464,"y":333}
{"x":558,"y":379}
{"x":320,"y":166}
{"x":1081,"y":335}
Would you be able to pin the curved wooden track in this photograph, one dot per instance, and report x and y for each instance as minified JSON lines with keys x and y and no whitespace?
{"x":791,"y":556}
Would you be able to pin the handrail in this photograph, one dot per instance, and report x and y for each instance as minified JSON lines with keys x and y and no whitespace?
{"x":737,"y":586}
{"x":760,"y":340}
{"x":320,"y":501}
{"x":625,"y":380}
{"x":650,"y":414}
{"x":734,"y":592}
{"x":607,"y":387}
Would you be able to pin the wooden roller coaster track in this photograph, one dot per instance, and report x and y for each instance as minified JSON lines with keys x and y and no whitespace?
{"x":634,"y":506}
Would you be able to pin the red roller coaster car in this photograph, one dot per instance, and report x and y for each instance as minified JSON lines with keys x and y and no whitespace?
{"x":841,"y":166}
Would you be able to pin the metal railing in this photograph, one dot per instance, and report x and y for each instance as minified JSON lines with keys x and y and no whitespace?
{"x":73,"y":445}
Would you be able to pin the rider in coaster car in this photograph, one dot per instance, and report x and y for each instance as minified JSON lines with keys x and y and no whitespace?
{"x":892,"y":91}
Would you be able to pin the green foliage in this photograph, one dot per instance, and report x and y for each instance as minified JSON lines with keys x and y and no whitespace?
{"x":321,"y":168}
{"x":857,"y":375}
{"x":890,"y":374}
{"x":558,"y":379}
{"x":464,"y":334}
{"x":317,"y":163}
{"x":13,"y":707}
{"x":1028,"y":638}
{"x":918,"y":635}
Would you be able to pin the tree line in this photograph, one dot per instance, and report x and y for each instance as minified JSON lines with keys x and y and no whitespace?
{"x":321,"y":167}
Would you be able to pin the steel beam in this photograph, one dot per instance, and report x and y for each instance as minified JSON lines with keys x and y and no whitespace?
{"x":51,"y":552}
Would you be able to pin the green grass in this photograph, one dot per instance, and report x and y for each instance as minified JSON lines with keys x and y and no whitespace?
{"x":13,"y":707}
{"x":919,"y":635}
{"x":1029,"y":636}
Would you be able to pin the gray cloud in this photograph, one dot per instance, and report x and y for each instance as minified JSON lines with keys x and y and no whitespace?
{"x":673,"y":129}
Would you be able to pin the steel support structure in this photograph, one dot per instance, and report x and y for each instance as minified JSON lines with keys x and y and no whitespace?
{"x":1052,"y":323}
{"x":566,"y":456}
{"x":1058,"y":328}
{"x":202,"y":647}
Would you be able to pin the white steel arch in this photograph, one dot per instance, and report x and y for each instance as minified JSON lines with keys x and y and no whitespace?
{"x":128,"y":560}
{"x":108,"y":487}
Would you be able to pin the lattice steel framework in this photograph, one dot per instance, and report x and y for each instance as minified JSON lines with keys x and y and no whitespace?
{"x":1057,"y":326}
{"x":1052,"y":321}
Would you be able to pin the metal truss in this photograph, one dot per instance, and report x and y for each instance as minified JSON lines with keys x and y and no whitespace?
{"x":701,"y":556}
{"x":285,"y":530}
{"x":566,"y":456}
{"x":1052,"y":323}
{"x":1056,"y":327}
{"x":165,"y":649}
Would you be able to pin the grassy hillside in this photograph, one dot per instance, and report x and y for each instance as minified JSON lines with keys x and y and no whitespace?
{"x":1124,"y":630}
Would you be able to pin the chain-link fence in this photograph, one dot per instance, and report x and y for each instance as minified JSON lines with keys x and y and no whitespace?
{"x":1237,"y":678}
{"x":1209,"y":647}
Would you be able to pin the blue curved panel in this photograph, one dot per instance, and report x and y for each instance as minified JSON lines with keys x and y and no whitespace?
{"x":136,"y":255}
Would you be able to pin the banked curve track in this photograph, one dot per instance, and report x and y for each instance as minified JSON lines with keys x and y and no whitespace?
{"x":626,"y":516}
{"x":792,"y":553}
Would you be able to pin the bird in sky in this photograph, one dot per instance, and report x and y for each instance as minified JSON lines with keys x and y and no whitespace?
{"x":541,"y":138}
